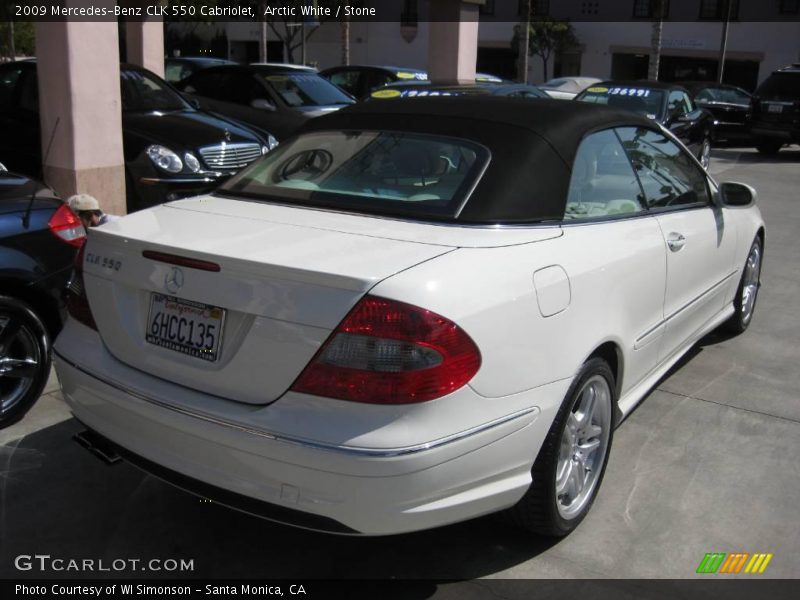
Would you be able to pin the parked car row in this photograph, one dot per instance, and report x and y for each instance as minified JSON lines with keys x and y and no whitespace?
{"x":171,"y":149}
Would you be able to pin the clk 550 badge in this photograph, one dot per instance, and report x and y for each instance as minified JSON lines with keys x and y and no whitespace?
{"x":103,"y":261}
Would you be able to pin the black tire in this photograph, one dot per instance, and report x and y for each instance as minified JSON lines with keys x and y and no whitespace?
{"x":769,"y":148}
{"x":750,"y":283}
{"x":25,"y":357}
{"x":539,"y":509}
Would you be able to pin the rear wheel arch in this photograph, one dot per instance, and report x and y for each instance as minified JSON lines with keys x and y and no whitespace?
{"x":611,"y":353}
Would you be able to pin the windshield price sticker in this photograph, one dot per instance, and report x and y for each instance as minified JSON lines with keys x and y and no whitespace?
{"x":638,"y":92}
{"x":184,"y":326}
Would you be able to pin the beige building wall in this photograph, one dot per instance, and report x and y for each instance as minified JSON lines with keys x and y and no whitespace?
{"x":145,"y":44}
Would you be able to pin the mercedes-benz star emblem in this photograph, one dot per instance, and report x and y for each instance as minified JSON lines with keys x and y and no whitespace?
{"x":174,"y":280}
{"x":227,"y":135}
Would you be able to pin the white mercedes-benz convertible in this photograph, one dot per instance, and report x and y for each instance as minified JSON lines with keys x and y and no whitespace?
{"x":412,"y":313}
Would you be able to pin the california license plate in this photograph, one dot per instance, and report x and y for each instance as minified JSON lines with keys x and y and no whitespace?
{"x":187,"y":327}
{"x":776,"y":108}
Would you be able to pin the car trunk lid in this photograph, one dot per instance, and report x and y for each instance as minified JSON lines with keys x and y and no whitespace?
{"x":271,"y":291}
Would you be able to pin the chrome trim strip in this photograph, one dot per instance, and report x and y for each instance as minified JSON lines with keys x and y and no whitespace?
{"x":684,"y":307}
{"x":210,"y":178}
{"x":348,"y":450}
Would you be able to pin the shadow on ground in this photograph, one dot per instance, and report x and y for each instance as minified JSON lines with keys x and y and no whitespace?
{"x":57,"y":499}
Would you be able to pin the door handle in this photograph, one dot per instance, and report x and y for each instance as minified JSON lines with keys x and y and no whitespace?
{"x":675,"y":241}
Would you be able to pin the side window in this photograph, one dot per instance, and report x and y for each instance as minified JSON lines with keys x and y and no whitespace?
{"x":8,"y":84}
{"x":706,"y":95}
{"x":603,"y":183}
{"x":347,"y":80}
{"x":244,"y":88}
{"x":208,"y":84}
{"x":675,"y":106}
{"x":376,"y":79}
{"x":679,"y":103}
{"x":29,"y":92}
{"x":668,"y":174}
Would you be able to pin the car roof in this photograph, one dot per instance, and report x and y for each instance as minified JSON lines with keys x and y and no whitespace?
{"x":517,"y":133}
{"x":200,"y":58}
{"x":265,"y":68}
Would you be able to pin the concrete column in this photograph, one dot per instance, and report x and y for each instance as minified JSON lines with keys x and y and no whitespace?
{"x":453,"y":43}
{"x":145,"y":44}
{"x":80,"y":109}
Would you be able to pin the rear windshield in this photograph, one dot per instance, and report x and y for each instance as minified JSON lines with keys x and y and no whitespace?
{"x":306,"y":89}
{"x":371,"y":172}
{"x":644,"y":101}
{"x":781,"y":85}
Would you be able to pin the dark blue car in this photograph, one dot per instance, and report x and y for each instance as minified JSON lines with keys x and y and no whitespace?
{"x":39,"y":237}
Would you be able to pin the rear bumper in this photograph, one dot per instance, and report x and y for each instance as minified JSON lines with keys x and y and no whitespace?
{"x":341,"y":489}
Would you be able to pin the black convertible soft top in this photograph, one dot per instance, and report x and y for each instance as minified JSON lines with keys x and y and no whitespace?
{"x":532,"y":142}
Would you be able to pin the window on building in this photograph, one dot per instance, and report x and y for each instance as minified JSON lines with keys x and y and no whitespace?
{"x":539,"y":8}
{"x":487,"y":8}
{"x":718,"y":9}
{"x":649,"y":9}
{"x":790,"y":6}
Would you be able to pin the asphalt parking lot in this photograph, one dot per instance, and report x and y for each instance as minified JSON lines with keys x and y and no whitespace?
{"x":707,"y":463}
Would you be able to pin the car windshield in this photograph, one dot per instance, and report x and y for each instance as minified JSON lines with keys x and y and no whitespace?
{"x":781,"y":85}
{"x":641,"y":100}
{"x":370,"y":172}
{"x":143,"y":92}
{"x":306,"y":89}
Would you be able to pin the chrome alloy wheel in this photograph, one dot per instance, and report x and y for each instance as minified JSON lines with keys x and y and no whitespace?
{"x":750,"y":283}
{"x":583,"y":447}
{"x":20,"y":359}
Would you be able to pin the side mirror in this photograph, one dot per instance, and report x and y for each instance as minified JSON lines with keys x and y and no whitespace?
{"x":261,"y":104}
{"x":737,"y":194}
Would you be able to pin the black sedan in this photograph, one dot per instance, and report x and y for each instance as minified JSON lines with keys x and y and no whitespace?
{"x":422,"y":89}
{"x":171,"y":149}
{"x":274,"y":99}
{"x":39,"y":237}
{"x":730,"y":106}
{"x":666,"y":103}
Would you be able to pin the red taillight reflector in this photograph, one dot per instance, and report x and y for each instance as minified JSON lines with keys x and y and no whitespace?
{"x":389,"y":352}
{"x":181,"y":261}
{"x":66,"y":225}
{"x":77,"y":302}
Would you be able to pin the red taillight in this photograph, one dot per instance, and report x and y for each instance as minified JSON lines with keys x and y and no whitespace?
{"x":67,"y":226}
{"x":77,"y":302}
{"x":388,"y":352}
